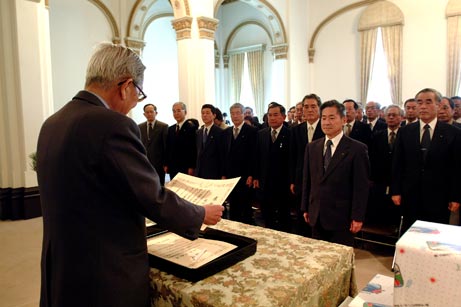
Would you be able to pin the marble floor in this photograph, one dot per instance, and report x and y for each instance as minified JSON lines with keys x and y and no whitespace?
{"x":20,"y":246}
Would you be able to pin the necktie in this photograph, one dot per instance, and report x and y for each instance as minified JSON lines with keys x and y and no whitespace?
{"x":177,"y":129}
{"x":149,"y":131}
{"x":310,"y":133}
{"x":391,"y":140}
{"x":425,"y":140}
{"x":371,"y":126}
{"x":348,"y":129}
{"x":205,"y":135}
{"x":327,"y":156}
{"x":274,"y":135}
{"x":236,"y":132}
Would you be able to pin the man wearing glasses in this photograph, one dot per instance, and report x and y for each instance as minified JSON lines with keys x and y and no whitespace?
{"x":97,"y":186}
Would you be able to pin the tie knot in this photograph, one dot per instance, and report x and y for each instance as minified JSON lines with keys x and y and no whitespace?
{"x":150,"y":125}
{"x":348,"y":125}
{"x":329,"y":143}
{"x":427,"y":127}
{"x":274,"y":132}
{"x":392,"y":133}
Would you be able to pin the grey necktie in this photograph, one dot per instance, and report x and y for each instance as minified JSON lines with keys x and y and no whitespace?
{"x":149,"y":131}
{"x":205,"y":135}
{"x":274,"y":135}
{"x":348,"y":129}
{"x":391,"y":140}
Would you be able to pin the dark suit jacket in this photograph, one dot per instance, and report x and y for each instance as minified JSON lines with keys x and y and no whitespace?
{"x":272,"y":162}
{"x":156,"y":146}
{"x":426,"y":187}
{"x":380,"y":125}
{"x":339,"y":195}
{"x":298,"y":147}
{"x":381,"y":158}
{"x":181,"y":149}
{"x":96,"y":187}
{"x":361,"y":132}
{"x":240,"y":153}
{"x":210,"y":156}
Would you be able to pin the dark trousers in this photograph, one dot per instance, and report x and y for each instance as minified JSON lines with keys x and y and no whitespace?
{"x":240,"y":204}
{"x":344,"y":237}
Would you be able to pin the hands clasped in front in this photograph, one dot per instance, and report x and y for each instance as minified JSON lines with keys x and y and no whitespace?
{"x":213,"y":214}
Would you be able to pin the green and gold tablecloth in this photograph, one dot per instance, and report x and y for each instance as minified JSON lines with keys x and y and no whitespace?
{"x":287,"y":270}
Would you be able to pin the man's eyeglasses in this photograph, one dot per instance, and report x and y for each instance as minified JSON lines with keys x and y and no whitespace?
{"x":141,"y":95}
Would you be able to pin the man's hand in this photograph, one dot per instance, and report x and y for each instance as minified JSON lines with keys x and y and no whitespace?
{"x":213,"y":214}
{"x":396,"y":199}
{"x":453,"y":206}
{"x":190,"y":171}
{"x":165,"y":168}
{"x":249,"y":182}
{"x":292,"y":188}
{"x":256,"y":184}
{"x":306,"y":217}
{"x":355,"y":226}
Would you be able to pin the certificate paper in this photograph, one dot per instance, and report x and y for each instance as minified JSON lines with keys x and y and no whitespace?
{"x":202,"y":191}
{"x":190,"y":254}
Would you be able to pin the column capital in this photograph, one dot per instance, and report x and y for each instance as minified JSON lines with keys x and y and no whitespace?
{"x":225,"y":59}
{"x":280,"y":51}
{"x":136,"y":44}
{"x":182,"y":27}
{"x":207,"y":27}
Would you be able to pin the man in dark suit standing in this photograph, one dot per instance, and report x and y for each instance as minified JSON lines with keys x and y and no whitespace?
{"x":240,"y":144}
{"x":153,"y":136}
{"x":411,"y":111}
{"x":180,"y":147}
{"x":210,"y":149}
{"x":335,"y":183}
{"x":426,"y":165}
{"x":375,"y":122}
{"x":446,"y":111}
{"x":272,"y":173}
{"x":96,"y":188}
{"x":353,"y":128}
{"x":303,"y":134}
{"x":381,"y":209}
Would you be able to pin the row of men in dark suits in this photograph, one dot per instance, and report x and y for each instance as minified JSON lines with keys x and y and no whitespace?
{"x":273,"y":159}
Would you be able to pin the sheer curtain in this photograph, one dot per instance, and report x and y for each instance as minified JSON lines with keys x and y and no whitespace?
{"x":236,"y":70}
{"x":454,"y":41}
{"x":392,"y":43}
{"x":256,"y":71}
{"x":367,"y":48}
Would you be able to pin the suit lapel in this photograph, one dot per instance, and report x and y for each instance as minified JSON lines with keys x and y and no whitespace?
{"x":340,"y":153}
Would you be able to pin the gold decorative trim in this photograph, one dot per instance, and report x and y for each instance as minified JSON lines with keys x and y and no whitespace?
{"x":183,"y":27}
{"x":110,"y":18}
{"x":225,"y":59}
{"x":280,"y":51}
{"x":134,"y":9}
{"x":341,"y":11}
{"x":136,"y":44}
{"x":238,"y":27}
{"x":207,"y":27}
{"x":216,"y":59}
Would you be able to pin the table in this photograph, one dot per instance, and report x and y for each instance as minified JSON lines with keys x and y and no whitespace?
{"x":428,"y":266}
{"x":287,"y":270}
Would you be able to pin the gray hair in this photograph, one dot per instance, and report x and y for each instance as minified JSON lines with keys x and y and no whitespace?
{"x":182,"y":104}
{"x":237,"y":105}
{"x":393,"y":106}
{"x":111,"y":63}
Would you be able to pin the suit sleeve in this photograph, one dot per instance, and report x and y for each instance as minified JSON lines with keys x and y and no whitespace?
{"x":123,"y":156}
{"x":306,"y":184}
{"x":361,"y":184}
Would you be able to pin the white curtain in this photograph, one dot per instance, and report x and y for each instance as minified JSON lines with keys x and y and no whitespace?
{"x":454,"y":41}
{"x":392,"y":43}
{"x":367,"y":48}
{"x":256,"y":71}
{"x":236,"y":71}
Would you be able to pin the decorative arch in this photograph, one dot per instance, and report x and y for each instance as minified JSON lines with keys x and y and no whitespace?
{"x":239,"y":27}
{"x":277,"y":31}
{"x":110,"y":18}
{"x":324,"y":22}
{"x":151,"y":19}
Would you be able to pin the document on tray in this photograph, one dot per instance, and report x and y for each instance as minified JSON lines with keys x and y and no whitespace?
{"x":202,"y":191}
{"x":190,"y":254}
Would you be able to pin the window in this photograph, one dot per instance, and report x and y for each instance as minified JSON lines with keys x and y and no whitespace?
{"x":246,"y":93}
{"x":379,"y":88}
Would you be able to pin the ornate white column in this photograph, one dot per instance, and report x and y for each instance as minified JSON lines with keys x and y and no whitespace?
{"x":196,"y":57}
{"x":25,"y":99}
